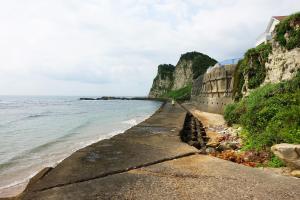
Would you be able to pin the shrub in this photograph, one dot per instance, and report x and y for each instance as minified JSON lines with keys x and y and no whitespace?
{"x":288,"y":27}
{"x":233,"y":112}
{"x":270,"y":114}
{"x":253,"y":64}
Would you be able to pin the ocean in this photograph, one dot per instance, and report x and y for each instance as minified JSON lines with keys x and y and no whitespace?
{"x":40,"y":131}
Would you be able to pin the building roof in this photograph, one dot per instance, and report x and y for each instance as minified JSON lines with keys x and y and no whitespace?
{"x":280,"y":18}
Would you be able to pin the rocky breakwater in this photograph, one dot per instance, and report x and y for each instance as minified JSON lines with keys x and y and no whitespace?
{"x":104,"y":98}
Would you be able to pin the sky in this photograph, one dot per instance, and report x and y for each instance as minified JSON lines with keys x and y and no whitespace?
{"x":113,"y":47}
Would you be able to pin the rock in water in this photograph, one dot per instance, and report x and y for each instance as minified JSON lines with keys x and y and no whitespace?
{"x":289,"y":153}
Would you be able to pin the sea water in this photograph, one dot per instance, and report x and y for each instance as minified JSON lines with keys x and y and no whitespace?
{"x":37,"y":132}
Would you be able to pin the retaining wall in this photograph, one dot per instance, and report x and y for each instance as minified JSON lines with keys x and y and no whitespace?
{"x":212,"y":91}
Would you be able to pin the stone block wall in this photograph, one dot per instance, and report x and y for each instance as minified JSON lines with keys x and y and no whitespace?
{"x":212,"y":91}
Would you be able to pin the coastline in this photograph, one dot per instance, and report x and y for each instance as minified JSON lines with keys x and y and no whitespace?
{"x":44,"y":171}
{"x":149,"y":161}
{"x":19,"y":187}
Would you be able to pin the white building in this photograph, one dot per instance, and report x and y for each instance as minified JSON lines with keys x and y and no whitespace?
{"x":267,"y":35}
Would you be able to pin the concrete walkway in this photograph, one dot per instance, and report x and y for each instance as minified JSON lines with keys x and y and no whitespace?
{"x":150,"y":162}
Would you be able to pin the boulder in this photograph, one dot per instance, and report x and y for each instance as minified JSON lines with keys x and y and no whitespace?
{"x":289,"y":153}
{"x":296,"y":173}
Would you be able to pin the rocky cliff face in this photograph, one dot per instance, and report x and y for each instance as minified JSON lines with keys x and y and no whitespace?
{"x":170,"y":78}
{"x":267,"y":63}
{"x":276,"y":61}
{"x":282,"y":64}
{"x":183,"y":74}
{"x":163,"y":81}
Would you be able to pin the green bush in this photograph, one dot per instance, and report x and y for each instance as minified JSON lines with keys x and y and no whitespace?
{"x":270,"y":114}
{"x":288,"y":27}
{"x":181,"y":94}
{"x":233,"y":112}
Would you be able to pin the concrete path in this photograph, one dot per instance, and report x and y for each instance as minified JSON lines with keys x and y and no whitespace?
{"x":150,"y":162}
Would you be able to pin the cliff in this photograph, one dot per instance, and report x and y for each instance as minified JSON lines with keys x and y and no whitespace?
{"x":267,"y":63}
{"x":267,"y":90}
{"x":282,"y":64}
{"x":180,"y":77}
{"x":163,"y":81}
{"x":273,"y":62}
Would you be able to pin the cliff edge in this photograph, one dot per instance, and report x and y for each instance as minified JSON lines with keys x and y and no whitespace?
{"x":170,"y":79}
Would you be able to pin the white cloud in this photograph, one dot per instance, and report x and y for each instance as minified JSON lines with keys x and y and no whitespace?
{"x":91,"y":47}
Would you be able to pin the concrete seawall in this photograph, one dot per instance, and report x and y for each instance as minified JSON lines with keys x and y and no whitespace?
{"x":212,"y":91}
{"x":153,"y":141}
{"x":149,"y":161}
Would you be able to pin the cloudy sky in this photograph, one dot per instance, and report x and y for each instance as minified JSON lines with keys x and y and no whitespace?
{"x":111,"y":47}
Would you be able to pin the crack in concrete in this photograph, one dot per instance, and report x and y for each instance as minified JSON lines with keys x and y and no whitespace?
{"x":120,"y":171}
{"x":179,"y":175}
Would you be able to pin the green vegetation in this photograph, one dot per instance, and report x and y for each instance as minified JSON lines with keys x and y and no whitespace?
{"x":166,"y":71}
{"x":200,"y":62}
{"x":181,"y":94}
{"x":252,"y":66}
{"x":269,"y":115}
{"x":287,"y":32}
{"x":275,"y":162}
{"x":239,"y":81}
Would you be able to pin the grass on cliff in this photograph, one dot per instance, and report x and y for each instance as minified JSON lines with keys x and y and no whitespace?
{"x":252,"y":66}
{"x":200,"y":62}
{"x":166,"y":71}
{"x":287,"y":32}
{"x":269,"y":115}
{"x":181,"y":94}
